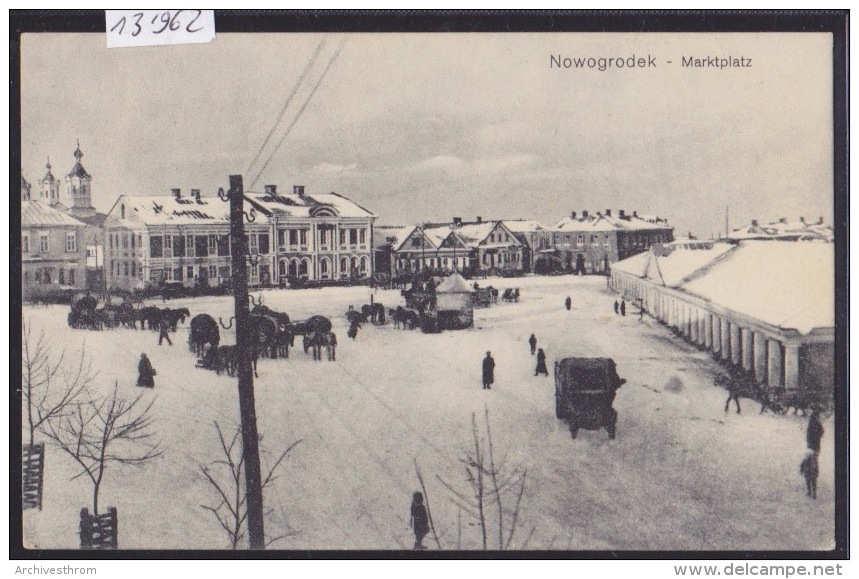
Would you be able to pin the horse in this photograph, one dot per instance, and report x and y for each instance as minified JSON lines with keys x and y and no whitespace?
{"x":204,"y":330}
{"x":173,"y":317}
{"x":742,"y":385}
{"x":318,"y":340}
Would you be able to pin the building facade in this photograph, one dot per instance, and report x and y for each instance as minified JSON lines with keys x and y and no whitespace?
{"x":589,"y":243}
{"x":295,"y":238}
{"x":53,"y":254}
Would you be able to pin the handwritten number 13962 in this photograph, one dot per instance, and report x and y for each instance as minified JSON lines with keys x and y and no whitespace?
{"x":167,"y":19}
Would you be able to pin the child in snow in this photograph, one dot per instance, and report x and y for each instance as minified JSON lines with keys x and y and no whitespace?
{"x":809,"y":469}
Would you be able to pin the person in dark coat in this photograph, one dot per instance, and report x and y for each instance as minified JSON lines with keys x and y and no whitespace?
{"x":488,"y":371}
{"x":814,"y":432}
{"x":541,"y":363}
{"x":616,"y":307}
{"x":352,"y":332}
{"x":809,"y":469}
{"x":145,"y":373}
{"x":419,"y":520}
{"x":569,"y":303}
{"x":623,"y":307}
{"x":533,"y":342}
{"x":164,"y":331}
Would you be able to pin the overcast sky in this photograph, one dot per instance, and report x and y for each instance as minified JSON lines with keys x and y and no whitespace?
{"x":425,"y":127}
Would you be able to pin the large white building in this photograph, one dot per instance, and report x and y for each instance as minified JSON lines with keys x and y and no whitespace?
{"x":767,"y":306}
{"x":185,"y":238}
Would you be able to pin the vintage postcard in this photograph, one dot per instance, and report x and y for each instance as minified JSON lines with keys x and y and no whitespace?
{"x":430,"y":291}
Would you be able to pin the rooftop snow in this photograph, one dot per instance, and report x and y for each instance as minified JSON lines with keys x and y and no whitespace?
{"x":38,"y":214}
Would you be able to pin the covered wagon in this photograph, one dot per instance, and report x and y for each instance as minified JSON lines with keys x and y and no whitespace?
{"x":453,"y":303}
{"x":584,"y":393}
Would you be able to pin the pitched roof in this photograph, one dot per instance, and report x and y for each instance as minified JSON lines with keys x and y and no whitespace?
{"x":395,"y":235}
{"x":79,"y":171}
{"x":292,"y":205}
{"x":454,"y":283}
{"x":523,"y":225}
{"x":167,"y":210}
{"x":600,"y":222}
{"x":38,"y":214}
{"x":786,"y":284}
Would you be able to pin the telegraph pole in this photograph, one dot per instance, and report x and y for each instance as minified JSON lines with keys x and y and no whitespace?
{"x":245,"y":341}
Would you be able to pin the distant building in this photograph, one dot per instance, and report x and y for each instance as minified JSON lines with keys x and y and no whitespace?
{"x":75,"y":202}
{"x":53,"y":255}
{"x":800,"y":230}
{"x":765,"y":306}
{"x":589,"y":243}
{"x":295,"y":237}
{"x":536,"y":239}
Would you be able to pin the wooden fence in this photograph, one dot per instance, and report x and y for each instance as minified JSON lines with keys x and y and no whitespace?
{"x":99,"y":531}
{"x":33,"y":471}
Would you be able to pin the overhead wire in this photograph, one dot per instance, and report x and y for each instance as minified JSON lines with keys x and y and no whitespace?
{"x":300,"y":111}
{"x":286,"y":104}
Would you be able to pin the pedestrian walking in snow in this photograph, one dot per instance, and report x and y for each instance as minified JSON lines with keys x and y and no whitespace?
{"x":569,"y":303}
{"x":533,"y":342}
{"x":541,"y":363}
{"x":488,"y":371}
{"x":623,"y":307}
{"x":809,"y":469}
{"x":814,"y":432}
{"x":616,"y":307}
{"x":164,"y":331}
{"x":145,"y":373}
{"x":419,"y":520}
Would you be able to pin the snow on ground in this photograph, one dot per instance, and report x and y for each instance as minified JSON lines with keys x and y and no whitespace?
{"x":681,"y":474}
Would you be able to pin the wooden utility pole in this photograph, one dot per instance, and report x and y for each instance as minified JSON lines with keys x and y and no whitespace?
{"x":245,"y":340}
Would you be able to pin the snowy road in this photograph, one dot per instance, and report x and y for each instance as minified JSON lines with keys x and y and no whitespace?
{"x":681,"y":474}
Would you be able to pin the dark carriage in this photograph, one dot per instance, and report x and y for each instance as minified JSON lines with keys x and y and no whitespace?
{"x":584,"y":393}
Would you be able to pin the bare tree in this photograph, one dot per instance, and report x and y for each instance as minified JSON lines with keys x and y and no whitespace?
{"x":104,"y":430}
{"x":493,"y":488}
{"x":40,"y":372}
{"x":231,"y":510}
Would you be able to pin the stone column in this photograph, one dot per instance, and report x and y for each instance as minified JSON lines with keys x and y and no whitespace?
{"x":716,"y":325}
{"x":759,"y":342}
{"x":708,"y":330}
{"x":735,"y":344}
{"x":693,"y":325}
{"x":775,"y":363}
{"x":726,"y":339}
{"x":746,"y":338}
{"x":791,"y":365}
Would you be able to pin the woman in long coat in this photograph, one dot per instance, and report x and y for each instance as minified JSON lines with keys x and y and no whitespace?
{"x":145,"y":373}
{"x":541,"y":363}
{"x":419,"y":520}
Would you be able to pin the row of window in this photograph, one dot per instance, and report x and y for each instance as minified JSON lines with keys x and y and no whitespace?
{"x":45,"y":243}
{"x":433,"y":262}
{"x":625,"y":240}
{"x":45,"y":276}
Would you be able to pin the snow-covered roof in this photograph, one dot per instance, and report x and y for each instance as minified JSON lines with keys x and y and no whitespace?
{"x":168,"y":210}
{"x":601,"y":222}
{"x":293,"y":205}
{"x":474,"y":233}
{"x":784,"y":228}
{"x":454,"y":283}
{"x":676,"y":265}
{"x":437,"y":235}
{"x":395,"y":235}
{"x":523,"y":225}
{"x":38,"y":214}
{"x":783,"y":283}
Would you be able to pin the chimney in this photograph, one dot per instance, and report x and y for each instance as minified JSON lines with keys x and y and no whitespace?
{"x":820,"y":221}
{"x":573,"y":215}
{"x":298,"y":190}
{"x":608,"y":212}
{"x":271,"y":190}
{"x":621,"y":213}
{"x":479,"y":219}
{"x":457,"y":220}
{"x":802,"y":220}
{"x":754,"y":222}
{"x":177,"y":193}
{"x":635,"y":214}
{"x":585,"y":214}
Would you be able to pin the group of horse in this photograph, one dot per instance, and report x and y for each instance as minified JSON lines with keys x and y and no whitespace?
{"x":272,"y":334}
{"x":86,"y":315}
{"x":781,"y":400}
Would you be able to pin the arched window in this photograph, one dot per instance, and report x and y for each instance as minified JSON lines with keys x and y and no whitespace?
{"x":365,"y":266}
{"x":324,"y":268}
